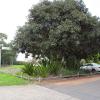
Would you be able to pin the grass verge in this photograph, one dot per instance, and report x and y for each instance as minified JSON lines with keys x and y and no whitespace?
{"x":7,"y":80}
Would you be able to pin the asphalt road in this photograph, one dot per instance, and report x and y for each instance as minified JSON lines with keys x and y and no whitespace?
{"x":31,"y":92}
{"x":88,"y":89}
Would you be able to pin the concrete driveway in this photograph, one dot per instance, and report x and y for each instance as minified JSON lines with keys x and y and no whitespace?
{"x":84,"y":89}
{"x":31,"y":92}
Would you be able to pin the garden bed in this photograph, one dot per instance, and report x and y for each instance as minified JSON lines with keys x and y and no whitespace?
{"x":70,"y":74}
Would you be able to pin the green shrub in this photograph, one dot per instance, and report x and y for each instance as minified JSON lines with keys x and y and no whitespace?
{"x":54,"y":67}
{"x":28,"y":69}
{"x":36,"y":71}
{"x":65,"y":71}
{"x":94,"y":58}
{"x":40,"y":71}
{"x":72,"y":63}
{"x":51,"y":67}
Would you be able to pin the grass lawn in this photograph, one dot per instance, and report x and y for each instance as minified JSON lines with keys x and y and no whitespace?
{"x":17,"y":66}
{"x":13,"y":69}
{"x":13,"y":66}
{"x":6,"y":79}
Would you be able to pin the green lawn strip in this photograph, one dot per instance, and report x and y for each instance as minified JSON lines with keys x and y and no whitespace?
{"x":13,"y":69}
{"x":6,"y":79}
{"x":13,"y":66}
{"x":17,"y":66}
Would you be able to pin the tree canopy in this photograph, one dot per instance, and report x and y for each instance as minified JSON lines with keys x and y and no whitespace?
{"x":60,"y":29}
{"x":3,"y":37}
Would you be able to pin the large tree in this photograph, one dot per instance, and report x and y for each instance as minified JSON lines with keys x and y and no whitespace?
{"x":59,"y":28}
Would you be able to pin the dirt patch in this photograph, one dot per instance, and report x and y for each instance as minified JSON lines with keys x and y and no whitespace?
{"x":71,"y":81}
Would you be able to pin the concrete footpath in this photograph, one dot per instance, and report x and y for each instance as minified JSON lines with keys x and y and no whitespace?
{"x":31,"y":92}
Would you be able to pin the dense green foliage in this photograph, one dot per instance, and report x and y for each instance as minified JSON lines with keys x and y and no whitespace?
{"x":93,"y":58}
{"x":3,"y":37}
{"x":28,"y":69}
{"x":60,"y":29}
{"x":51,"y":68}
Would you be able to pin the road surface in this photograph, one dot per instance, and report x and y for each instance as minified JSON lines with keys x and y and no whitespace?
{"x":84,"y":89}
{"x":31,"y":92}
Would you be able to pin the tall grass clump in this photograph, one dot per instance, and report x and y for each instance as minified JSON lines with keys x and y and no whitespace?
{"x":36,"y":71}
{"x":28,"y":69}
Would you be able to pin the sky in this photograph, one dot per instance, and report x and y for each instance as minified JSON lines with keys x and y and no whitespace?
{"x":13,"y":13}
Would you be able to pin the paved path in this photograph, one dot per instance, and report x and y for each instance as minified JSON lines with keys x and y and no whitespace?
{"x":31,"y":92}
{"x":84,"y":89}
